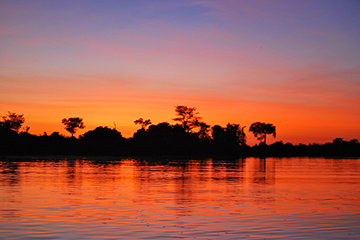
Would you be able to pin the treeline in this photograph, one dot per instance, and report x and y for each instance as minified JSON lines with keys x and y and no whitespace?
{"x":189,"y":137}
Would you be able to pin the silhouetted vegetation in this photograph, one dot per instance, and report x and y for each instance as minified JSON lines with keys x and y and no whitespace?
{"x":189,"y":137}
{"x":260,"y":130}
{"x":12,"y":121}
{"x":187,"y":117}
{"x":142,"y":122}
{"x":102,"y":140}
{"x":73,"y":124}
{"x":230,"y":140}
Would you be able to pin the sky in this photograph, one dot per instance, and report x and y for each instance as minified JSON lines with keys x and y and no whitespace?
{"x":295,"y":64}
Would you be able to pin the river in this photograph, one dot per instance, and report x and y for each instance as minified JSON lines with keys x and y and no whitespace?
{"x":251,"y":198}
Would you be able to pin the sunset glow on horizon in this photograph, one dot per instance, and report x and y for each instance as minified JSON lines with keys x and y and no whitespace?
{"x":295,"y":64}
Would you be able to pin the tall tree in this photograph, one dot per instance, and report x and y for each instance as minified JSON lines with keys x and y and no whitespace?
{"x":260,"y":130}
{"x":143,"y":122}
{"x":204,"y":132}
{"x":187,"y":117}
{"x":235,"y":134}
{"x":12,"y":121}
{"x":73,"y":124}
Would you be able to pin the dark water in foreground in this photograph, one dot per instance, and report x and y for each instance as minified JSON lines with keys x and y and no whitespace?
{"x":208,"y":199}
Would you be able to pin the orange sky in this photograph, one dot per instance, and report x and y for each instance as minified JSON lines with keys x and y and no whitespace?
{"x":293,"y":64}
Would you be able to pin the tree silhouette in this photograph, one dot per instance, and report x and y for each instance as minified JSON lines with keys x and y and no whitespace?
{"x":260,"y":130}
{"x":187,"y":117}
{"x":143,"y":122}
{"x":217,"y":133}
{"x":12,"y":121}
{"x":204,"y":131}
{"x":25,"y":130}
{"x":73,"y":124}
{"x":235,"y":133}
{"x":188,"y":137}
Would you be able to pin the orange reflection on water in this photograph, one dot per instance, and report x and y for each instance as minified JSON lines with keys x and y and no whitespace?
{"x":250,"y":198}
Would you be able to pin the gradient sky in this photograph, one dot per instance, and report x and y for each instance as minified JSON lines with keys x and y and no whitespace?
{"x":295,"y":64}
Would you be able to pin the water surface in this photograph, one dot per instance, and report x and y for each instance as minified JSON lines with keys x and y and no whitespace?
{"x":310,"y":198}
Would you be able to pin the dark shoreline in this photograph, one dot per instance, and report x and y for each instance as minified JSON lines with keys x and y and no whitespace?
{"x":109,"y":143}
